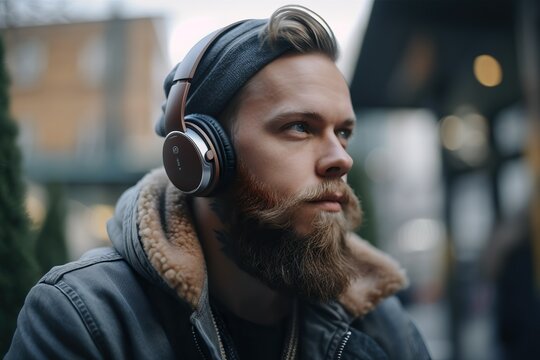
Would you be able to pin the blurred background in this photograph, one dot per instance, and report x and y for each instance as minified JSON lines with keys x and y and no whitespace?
{"x":447,"y":148}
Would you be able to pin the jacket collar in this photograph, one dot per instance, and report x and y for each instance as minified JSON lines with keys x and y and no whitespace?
{"x":170,"y":241}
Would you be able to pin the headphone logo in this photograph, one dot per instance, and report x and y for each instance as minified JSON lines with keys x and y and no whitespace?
{"x":176,"y":151}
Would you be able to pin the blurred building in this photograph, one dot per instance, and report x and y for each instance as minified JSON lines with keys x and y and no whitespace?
{"x":447,"y":92}
{"x":86,"y":96}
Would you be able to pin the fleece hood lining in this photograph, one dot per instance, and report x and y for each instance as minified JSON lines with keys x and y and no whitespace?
{"x":177,"y":256}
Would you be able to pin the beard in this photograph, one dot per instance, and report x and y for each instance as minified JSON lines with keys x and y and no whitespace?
{"x":316,"y":265}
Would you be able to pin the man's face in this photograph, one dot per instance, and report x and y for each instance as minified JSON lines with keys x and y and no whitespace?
{"x":292,"y":127}
{"x":291,"y":209}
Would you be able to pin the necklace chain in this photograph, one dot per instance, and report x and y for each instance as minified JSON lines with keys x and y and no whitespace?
{"x":289,"y":352}
{"x":292,"y":341}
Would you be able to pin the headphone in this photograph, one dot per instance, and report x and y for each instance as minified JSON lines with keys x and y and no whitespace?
{"x":198,"y":156}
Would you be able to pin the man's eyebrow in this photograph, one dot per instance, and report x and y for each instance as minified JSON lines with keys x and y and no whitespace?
{"x":349,"y":122}
{"x":309,"y":115}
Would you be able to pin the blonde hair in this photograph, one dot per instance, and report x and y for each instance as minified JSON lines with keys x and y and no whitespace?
{"x":302,"y":28}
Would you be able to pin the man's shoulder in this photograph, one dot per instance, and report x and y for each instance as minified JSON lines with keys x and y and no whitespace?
{"x":98,"y":286}
{"x":99,"y":271}
{"x":97,"y":306}
{"x":92,"y":263}
{"x":391,"y":326}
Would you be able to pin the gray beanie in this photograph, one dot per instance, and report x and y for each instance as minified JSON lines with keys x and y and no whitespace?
{"x":226,"y":66}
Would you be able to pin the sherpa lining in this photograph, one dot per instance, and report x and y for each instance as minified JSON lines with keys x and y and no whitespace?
{"x":378,"y":277}
{"x":177,"y":255}
{"x":175,"y":252}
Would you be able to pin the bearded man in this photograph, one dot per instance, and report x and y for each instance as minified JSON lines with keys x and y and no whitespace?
{"x":243,"y":247}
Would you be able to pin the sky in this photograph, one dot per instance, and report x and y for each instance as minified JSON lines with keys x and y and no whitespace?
{"x":188,"y":21}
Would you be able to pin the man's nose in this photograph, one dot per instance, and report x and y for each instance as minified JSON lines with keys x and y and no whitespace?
{"x":334,"y":160}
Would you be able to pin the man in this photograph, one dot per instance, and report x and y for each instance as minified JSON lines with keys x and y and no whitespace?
{"x":265,"y":265}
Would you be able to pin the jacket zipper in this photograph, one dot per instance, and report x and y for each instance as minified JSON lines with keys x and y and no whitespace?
{"x":342,"y":344}
{"x":197,"y":342}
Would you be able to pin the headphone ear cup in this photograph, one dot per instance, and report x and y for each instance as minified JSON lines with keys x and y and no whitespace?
{"x":184,"y":163}
{"x":223,"y":146}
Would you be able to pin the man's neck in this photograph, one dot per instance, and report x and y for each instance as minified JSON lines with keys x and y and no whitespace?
{"x":239,"y":292}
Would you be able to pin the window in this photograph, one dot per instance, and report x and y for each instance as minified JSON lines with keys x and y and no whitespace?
{"x":27,"y":61}
{"x":92,"y":61}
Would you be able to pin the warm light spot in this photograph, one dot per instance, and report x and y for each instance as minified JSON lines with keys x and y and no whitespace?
{"x":487,"y":70}
{"x":100,"y":214}
{"x":452,"y":131}
{"x":36,"y":210}
{"x":466,"y":136}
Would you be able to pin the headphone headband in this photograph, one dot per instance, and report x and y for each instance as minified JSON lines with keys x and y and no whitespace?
{"x":176,"y":101}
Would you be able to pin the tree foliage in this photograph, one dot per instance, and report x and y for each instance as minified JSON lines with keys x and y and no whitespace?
{"x":18,"y":270}
{"x":51,"y":247}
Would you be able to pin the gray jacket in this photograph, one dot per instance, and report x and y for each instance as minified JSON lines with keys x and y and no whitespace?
{"x":147,"y":297}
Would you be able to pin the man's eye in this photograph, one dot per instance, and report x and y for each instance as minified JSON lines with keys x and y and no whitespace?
{"x":300,"y":127}
{"x":344,"y":133}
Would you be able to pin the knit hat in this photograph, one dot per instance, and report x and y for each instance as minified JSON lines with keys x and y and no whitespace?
{"x":236,"y":56}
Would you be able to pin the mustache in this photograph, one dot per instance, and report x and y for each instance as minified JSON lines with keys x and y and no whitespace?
{"x":336,"y":190}
{"x":279,"y":212}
